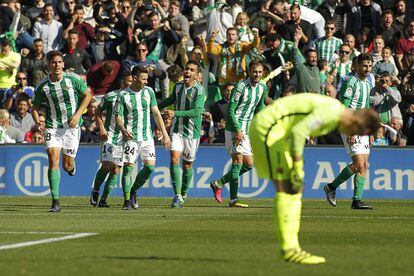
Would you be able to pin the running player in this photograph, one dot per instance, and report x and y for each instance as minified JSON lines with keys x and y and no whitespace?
{"x":277,"y":135}
{"x":67,"y":96}
{"x":246,"y":98}
{"x":133,"y":108}
{"x":355,"y":95}
{"x":189,"y":97}
{"x":111,"y":146}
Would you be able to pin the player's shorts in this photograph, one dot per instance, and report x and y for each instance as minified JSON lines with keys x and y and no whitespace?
{"x":188,"y":147}
{"x":361,"y":145}
{"x":111,"y":153}
{"x":65,"y":138}
{"x":271,"y":150}
{"x":144,"y":149}
{"x":244,"y":147}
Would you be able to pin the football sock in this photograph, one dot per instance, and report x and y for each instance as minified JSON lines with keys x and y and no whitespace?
{"x":287,"y":215}
{"x":176,"y":178}
{"x":110,"y":185}
{"x":187,"y":176}
{"x":234,"y":181}
{"x":54,"y":181}
{"x":359,"y":182}
{"x":227,"y":177}
{"x":343,"y":176}
{"x":142,"y":176}
{"x":126,"y":181}
{"x":245,"y":168}
{"x":99,"y":178}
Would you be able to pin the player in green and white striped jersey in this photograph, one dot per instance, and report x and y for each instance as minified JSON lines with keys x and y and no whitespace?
{"x":111,"y":146}
{"x":189,"y":97}
{"x":133,"y":109}
{"x":342,"y":65}
{"x":329,"y":44}
{"x":246,"y":99}
{"x":355,"y":95}
{"x":67,"y":96}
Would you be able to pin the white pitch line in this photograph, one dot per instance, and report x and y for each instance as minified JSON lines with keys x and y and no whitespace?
{"x":30,"y":243}
{"x":36,"y":233}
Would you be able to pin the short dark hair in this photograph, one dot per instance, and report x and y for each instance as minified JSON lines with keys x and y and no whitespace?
{"x":388,"y":12}
{"x":194,"y":63}
{"x":23,"y":97}
{"x":321,"y":63}
{"x":255,"y":63}
{"x":5,"y":42}
{"x":231,"y":29}
{"x":310,"y":50}
{"x":52,"y":54}
{"x":73,"y":31}
{"x":48,"y":5}
{"x":152,"y":14}
{"x":364,"y":56}
{"x":175,"y":71}
{"x":137,"y":70}
{"x":294,"y":6}
{"x":369,"y":118}
{"x":273,"y":37}
{"x":329,"y":22}
{"x":78,"y":7}
{"x":37,"y":40}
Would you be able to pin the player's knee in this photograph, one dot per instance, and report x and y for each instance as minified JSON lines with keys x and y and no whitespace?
{"x":115,"y":169}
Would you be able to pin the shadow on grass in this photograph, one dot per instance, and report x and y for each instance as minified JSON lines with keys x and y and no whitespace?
{"x":158,"y":258}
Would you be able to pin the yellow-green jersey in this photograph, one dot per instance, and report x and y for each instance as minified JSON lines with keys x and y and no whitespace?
{"x":245,"y":100}
{"x":135,"y":109}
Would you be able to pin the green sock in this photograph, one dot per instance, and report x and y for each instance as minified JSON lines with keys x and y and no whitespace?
{"x":142,"y":176}
{"x":227,"y":177}
{"x":176,"y":178}
{"x":54,"y":181}
{"x":359,"y":183}
{"x":99,"y":178}
{"x":126,"y":181}
{"x":234,"y":182}
{"x":245,"y":168}
{"x":343,"y":176}
{"x":287,"y":216}
{"x":187,"y":176}
{"x":110,"y":185}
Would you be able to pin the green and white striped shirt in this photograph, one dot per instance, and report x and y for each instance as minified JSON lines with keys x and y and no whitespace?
{"x":245,"y":100}
{"x":62,"y":98}
{"x":327,"y":48}
{"x":189,"y":105}
{"x":135,"y":109}
{"x":355,"y":93}
{"x":107,"y":105}
{"x":342,"y":70}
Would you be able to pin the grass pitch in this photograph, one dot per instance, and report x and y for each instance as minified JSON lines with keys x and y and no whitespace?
{"x":202,"y":238}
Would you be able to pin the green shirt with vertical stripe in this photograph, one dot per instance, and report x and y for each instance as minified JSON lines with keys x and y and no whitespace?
{"x":327,"y":47}
{"x":62,"y":98}
{"x":245,"y":100}
{"x":355,"y":92}
{"x":188,"y":107}
{"x":135,"y":109}
{"x":342,"y":70}
{"x":107,"y":105}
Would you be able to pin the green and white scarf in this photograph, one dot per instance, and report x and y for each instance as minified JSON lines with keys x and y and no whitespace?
{"x":226,"y":60}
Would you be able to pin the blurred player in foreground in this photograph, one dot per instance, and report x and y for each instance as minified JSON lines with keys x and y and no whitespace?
{"x":277,"y":135}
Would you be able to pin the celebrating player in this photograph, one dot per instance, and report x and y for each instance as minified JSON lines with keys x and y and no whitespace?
{"x":133,"y":108}
{"x":355,"y":95}
{"x":67,"y":96}
{"x":111,"y":146}
{"x":246,"y":98}
{"x":277,"y":136}
{"x":189,"y":97}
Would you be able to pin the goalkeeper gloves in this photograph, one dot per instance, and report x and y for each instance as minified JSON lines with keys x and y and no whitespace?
{"x":297,"y":175}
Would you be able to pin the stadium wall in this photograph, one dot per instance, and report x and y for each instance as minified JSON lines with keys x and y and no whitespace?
{"x":23,"y":171}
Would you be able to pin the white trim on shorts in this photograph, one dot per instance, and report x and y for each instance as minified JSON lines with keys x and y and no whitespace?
{"x":244,"y":148}
{"x":361,"y":145}
{"x":144,"y":149}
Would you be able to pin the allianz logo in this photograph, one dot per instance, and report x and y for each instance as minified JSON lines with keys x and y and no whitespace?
{"x":377,"y":178}
{"x":30,"y":174}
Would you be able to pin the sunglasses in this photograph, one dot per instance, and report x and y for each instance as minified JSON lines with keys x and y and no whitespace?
{"x":21,"y":78}
{"x":329,"y":28}
{"x":141,"y":50}
{"x":126,"y":7}
{"x":344,"y":52}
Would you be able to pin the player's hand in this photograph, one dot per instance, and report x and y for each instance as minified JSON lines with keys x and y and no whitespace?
{"x":288,"y":66}
{"x":127,"y":134}
{"x":214,"y":34}
{"x":166,"y":141}
{"x":238,"y":138}
{"x":103,"y":135}
{"x":351,"y":140}
{"x":297,"y":175}
{"x":73,"y":122}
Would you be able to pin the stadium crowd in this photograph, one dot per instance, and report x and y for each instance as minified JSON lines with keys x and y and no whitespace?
{"x":305,"y":45}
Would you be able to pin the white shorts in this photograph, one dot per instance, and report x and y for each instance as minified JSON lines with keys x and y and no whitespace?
{"x":244,"y":148}
{"x":65,"y":138}
{"x":361,"y":145}
{"x":111,"y":153}
{"x":188,"y":147}
{"x":144,"y":149}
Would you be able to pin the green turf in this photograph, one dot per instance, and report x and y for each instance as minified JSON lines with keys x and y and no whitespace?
{"x":203,"y":238}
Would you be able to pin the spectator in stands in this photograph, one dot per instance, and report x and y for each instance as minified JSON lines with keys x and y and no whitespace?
{"x":243,"y":29}
{"x":408,"y":119}
{"x":342,"y":65}
{"x":385,"y":64}
{"x":384,"y":99}
{"x":219,"y":108}
{"x":35,"y":64}
{"x":258,"y":19}
{"x":350,"y":41}
{"x":103,"y":77}
{"x":232,"y":63}
{"x":104,"y":47}
{"x":85,"y":31}
{"x":399,"y":139}
{"x":9,"y":134}
{"x":389,"y":31}
{"x":218,"y":20}
{"x":38,"y":138}
{"x":367,"y":14}
{"x":20,"y":89}
{"x":89,"y":128}
{"x":9,"y":62}
{"x":333,"y":10}
{"x":207,"y":125}
{"x":328,"y":45}
{"x":35,"y":10}
{"x":88,"y":12}
{"x":49,"y":30}
{"x":30,"y":135}
{"x":405,"y":49}
{"x":179,"y":23}
{"x":378,"y":45}
{"x":401,"y":12}
{"x":114,"y":19}
{"x":295,"y":24}
{"x":6,"y":15}
{"x":76,"y":59}
{"x":21,"y":118}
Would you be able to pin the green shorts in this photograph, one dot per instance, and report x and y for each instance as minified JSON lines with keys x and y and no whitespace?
{"x":271,"y":150}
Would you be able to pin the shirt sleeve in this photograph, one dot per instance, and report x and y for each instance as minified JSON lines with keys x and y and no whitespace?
{"x":79,"y":84}
{"x":38,"y":98}
{"x":153,"y":100}
{"x":235,"y":97}
{"x":119,"y":105}
{"x":170,"y":100}
{"x":199,"y":101}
